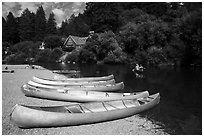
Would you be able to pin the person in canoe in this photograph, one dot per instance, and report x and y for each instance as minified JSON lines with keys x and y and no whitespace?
{"x":138,"y":68}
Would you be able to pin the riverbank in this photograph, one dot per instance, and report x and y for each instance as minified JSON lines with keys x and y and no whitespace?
{"x":11,"y":95}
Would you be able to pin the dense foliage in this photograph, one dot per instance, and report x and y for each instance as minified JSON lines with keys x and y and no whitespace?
{"x":146,"y":32}
{"x":51,"y":25}
{"x":52,"y":41}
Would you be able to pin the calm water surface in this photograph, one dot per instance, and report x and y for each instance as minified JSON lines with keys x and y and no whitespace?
{"x":180,"y":108}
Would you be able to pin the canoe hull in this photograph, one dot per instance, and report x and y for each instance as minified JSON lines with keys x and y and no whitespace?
{"x":109,"y":87}
{"x":104,"y":78}
{"x":25,"y":117}
{"x":80,"y":96}
{"x":70,"y":83}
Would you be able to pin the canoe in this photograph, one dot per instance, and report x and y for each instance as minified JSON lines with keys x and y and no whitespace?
{"x":79,"y":96}
{"x":78,"y":114}
{"x":138,"y":71}
{"x":7,"y":71}
{"x":68,"y":83}
{"x":66,"y":71}
{"x":109,"y":87}
{"x":103,"y":78}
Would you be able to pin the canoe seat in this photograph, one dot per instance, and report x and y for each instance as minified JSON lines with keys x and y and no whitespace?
{"x":113,"y":105}
{"x":66,"y":91}
{"x":93,"y":107}
{"x":143,"y":101}
{"x":85,"y":110}
{"x":74,"y":109}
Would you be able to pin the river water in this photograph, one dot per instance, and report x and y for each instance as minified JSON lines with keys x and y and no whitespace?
{"x":180,"y":109}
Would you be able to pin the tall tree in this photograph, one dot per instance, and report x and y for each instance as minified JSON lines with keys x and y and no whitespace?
{"x":4,"y":30}
{"x":103,"y":16}
{"x":71,"y":18}
{"x":51,"y":25}
{"x":62,"y":29}
{"x":40,"y":24}
{"x":12,"y":28}
{"x":26,"y":25}
{"x":81,"y":27}
{"x":191,"y":6}
{"x":191,"y":34}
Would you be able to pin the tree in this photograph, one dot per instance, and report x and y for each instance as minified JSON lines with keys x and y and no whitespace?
{"x":79,"y":27}
{"x":191,"y":34}
{"x":143,"y":36}
{"x":26,"y":26}
{"x":71,"y":18}
{"x":191,"y":6}
{"x":75,"y":26}
{"x":135,"y":15}
{"x":4,"y":30}
{"x":51,"y":25}
{"x":175,"y":11}
{"x":11,"y":27}
{"x":154,"y":8}
{"x":103,"y":16}
{"x":62,"y":29}
{"x":52,"y":41}
{"x":40,"y":24}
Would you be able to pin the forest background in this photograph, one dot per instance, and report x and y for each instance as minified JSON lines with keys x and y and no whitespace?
{"x":149,"y":33}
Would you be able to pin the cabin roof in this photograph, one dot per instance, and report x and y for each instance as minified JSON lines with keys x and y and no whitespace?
{"x":77,"y":40}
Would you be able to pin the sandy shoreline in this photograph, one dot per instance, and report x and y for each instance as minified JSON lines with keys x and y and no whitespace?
{"x":11,"y":95}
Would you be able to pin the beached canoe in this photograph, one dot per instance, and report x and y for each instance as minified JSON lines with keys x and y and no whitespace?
{"x":79,"y":96}
{"x":7,"y":71}
{"x":66,"y":71}
{"x":103,"y":78}
{"x":70,"y":83}
{"x":109,"y":87}
{"x":77,"y":114}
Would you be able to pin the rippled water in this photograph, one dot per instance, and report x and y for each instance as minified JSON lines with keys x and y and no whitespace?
{"x":180,"y":109}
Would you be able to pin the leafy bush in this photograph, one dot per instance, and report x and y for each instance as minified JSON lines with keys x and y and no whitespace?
{"x":20,"y":58}
{"x":139,"y":57}
{"x":73,"y":56}
{"x":10,"y":58}
{"x":55,"y":54}
{"x":175,"y":50}
{"x":53,"y":41}
{"x":111,"y":58}
{"x":87,"y":56}
{"x":44,"y":55}
{"x":129,"y":41}
{"x":155,"y":56}
{"x":27,"y":47}
{"x":134,"y":15}
{"x":142,"y":36}
{"x":117,"y":56}
{"x":107,"y":44}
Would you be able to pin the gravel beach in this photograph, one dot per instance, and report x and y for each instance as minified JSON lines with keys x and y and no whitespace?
{"x":11,"y":95}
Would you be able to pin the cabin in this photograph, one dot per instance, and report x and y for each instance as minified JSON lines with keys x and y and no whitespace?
{"x":73,"y":42}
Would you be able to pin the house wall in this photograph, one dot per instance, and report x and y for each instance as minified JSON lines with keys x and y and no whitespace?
{"x":70,"y":43}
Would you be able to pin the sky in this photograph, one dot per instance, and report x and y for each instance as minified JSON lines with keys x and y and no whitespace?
{"x":62,"y":10}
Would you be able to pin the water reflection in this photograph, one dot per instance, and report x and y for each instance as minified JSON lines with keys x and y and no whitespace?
{"x":180,"y":108}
